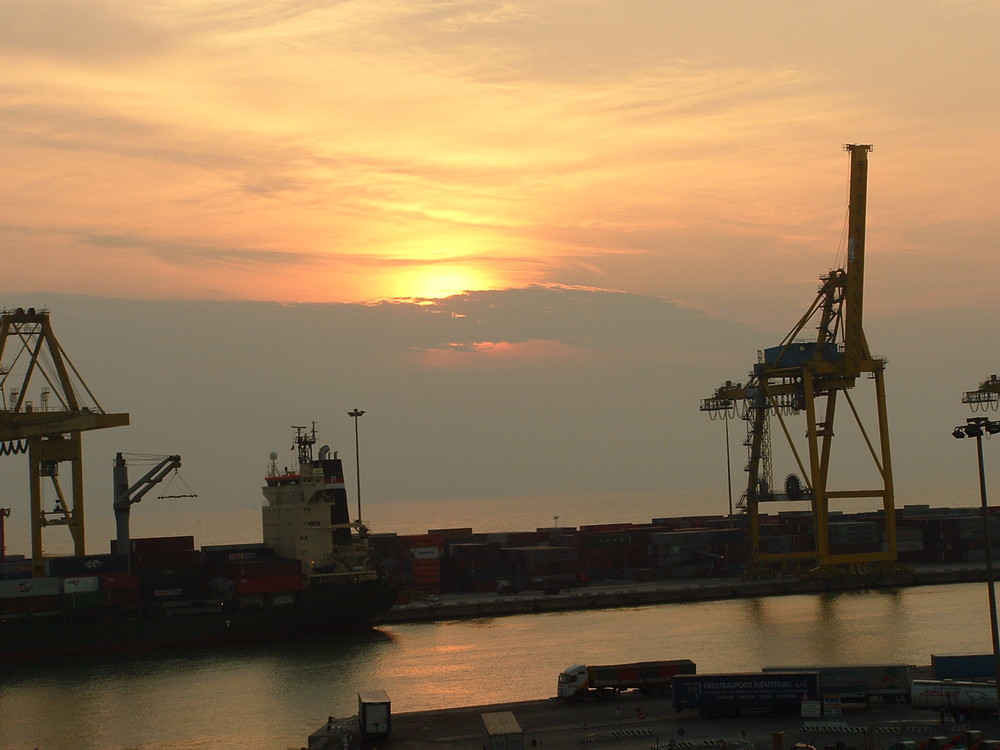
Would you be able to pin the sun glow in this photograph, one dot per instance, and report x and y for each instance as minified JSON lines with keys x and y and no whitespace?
{"x":437,"y":281}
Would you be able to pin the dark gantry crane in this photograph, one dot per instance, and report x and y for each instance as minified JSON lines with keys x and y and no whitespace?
{"x":45,"y":407}
{"x":811,"y":375}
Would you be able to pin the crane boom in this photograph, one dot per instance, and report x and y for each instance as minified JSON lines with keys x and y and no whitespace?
{"x":854,"y":282}
{"x":126,"y":496}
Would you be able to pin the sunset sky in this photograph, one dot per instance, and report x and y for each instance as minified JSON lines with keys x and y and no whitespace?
{"x":653,"y":154}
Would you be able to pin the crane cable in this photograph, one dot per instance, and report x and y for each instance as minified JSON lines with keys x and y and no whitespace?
{"x":167,"y":495}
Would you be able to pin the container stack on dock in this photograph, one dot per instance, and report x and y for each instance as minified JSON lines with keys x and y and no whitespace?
{"x":953,"y":538}
{"x":475,"y":566}
{"x":460,"y":560}
{"x":420,"y":569}
{"x":604,"y":550}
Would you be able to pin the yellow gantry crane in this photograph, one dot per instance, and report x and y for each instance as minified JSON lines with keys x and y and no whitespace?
{"x":34,"y":366}
{"x":811,"y":375}
{"x":985,"y":397}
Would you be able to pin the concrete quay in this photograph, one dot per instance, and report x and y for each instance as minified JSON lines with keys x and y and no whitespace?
{"x":630,"y":594}
{"x":635,"y":722}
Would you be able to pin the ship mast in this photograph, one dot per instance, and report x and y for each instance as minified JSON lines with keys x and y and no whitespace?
{"x":305,"y":439}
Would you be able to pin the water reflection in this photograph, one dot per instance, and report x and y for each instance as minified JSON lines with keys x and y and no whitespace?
{"x":272,"y":695}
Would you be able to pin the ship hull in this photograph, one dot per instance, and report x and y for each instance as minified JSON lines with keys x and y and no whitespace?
{"x":337,"y":608}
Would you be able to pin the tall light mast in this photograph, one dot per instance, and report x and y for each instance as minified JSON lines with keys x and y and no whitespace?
{"x":809,"y":375}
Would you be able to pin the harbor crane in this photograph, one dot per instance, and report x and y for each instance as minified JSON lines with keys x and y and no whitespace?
{"x":812,"y":375}
{"x":126,"y":496}
{"x":34,"y":365}
{"x":985,"y":397}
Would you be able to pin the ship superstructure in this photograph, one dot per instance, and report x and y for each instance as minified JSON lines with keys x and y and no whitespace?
{"x":306,"y":515}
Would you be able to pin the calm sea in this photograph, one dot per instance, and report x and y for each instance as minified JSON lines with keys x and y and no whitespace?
{"x":271,"y":697}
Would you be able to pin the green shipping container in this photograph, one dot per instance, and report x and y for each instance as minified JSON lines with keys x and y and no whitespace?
{"x":86,"y":600}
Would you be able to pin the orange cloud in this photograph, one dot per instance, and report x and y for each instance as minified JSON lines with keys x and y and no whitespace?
{"x":494,"y":354}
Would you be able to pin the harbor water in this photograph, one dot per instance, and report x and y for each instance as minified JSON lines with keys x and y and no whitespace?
{"x":270,"y":697}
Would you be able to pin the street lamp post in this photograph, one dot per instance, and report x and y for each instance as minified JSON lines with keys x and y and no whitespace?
{"x":975,"y":427}
{"x":357,"y":455}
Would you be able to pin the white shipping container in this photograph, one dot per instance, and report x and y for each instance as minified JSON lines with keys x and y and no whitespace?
{"x":425,"y":553}
{"x":374,"y":713}
{"x":29,"y":587}
{"x":501,"y":731}
{"x":910,"y":545}
{"x":80,"y":584}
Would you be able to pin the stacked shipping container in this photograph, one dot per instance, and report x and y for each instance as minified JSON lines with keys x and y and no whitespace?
{"x":684,"y":547}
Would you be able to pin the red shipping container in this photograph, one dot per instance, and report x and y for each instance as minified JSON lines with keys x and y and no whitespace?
{"x":120,"y":582}
{"x":123,"y":597}
{"x":157,"y":544}
{"x":268,"y":585}
{"x":432,"y":565}
{"x":22,"y":604}
{"x":260,"y":568}
{"x":166,"y":559}
{"x":424,"y":540}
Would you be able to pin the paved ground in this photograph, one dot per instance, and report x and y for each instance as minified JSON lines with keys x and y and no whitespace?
{"x":633,"y":722}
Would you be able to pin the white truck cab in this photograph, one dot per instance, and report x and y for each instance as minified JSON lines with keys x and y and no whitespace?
{"x":572,"y":680}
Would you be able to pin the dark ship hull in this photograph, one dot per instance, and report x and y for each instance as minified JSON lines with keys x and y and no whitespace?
{"x":333,"y":609}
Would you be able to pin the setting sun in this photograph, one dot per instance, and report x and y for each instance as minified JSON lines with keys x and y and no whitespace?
{"x":434,"y":281}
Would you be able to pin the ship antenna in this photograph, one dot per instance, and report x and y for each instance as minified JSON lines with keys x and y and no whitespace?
{"x":304,"y":442}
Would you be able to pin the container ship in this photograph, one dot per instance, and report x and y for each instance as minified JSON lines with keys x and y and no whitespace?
{"x":311,"y":575}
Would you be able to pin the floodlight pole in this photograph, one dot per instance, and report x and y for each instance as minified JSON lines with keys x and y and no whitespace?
{"x":357,"y":456}
{"x":991,"y":581}
{"x":974,"y":427}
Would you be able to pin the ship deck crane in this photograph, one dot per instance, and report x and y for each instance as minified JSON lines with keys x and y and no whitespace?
{"x":811,"y":376}
{"x":126,"y":496}
{"x":50,"y":433}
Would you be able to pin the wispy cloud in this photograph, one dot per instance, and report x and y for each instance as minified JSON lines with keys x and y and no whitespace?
{"x":655,"y":147}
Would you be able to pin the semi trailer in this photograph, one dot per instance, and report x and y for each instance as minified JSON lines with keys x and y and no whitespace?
{"x":955,"y":697}
{"x":650,"y":677}
{"x":732,"y":694}
{"x":860,"y":682}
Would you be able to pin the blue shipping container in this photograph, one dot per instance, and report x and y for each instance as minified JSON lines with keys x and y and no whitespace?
{"x":973,"y":667}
